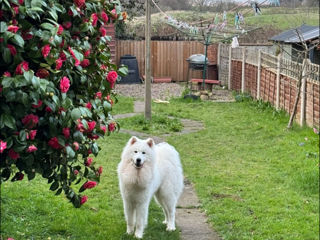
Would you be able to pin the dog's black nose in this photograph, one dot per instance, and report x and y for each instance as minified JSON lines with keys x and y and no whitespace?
{"x":138,"y":161}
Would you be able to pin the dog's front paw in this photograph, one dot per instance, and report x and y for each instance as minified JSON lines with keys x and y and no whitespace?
{"x":138,"y":235}
{"x":171,"y":228}
{"x":165,"y":222}
{"x":130,"y":230}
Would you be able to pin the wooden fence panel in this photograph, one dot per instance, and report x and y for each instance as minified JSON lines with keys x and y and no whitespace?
{"x":168,"y":57}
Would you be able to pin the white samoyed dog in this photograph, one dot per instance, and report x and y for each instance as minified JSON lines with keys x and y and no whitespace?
{"x":148,"y":169}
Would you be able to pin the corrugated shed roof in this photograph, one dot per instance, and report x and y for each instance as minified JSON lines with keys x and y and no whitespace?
{"x":307,"y":32}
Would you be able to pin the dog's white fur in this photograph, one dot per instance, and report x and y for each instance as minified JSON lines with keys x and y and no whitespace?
{"x":159,"y":174}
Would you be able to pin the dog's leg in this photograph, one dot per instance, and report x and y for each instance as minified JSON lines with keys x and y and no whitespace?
{"x":163,"y":206}
{"x":130,"y":216}
{"x":171,"y":218}
{"x":141,"y":219}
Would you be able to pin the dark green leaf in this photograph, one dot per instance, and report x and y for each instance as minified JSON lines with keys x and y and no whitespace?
{"x":54,"y":186}
{"x":58,"y":192}
{"x":31,"y":175}
{"x":70,"y":152}
{"x":75,"y":114}
{"x":3,"y":27}
{"x":18,"y":40}
{"x":8,"y":121}
{"x":6,"y":55}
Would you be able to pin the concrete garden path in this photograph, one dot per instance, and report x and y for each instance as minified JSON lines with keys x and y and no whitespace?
{"x":192,"y":222}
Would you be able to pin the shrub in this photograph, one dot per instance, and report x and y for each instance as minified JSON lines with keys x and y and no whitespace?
{"x":55,"y":90}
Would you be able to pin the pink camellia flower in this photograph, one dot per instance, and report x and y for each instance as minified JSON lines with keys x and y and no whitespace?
{"x":12,"y":49}
{"x":94,"y":18}
{"x":64,"y":84}
{"x":59,"y":63}
{"x":61,"y":109}
{"x":100,"y":169}
{"x":13,"y":28}
{"x":104,"y":17}
{"x":112,"y":77}
{"x":54,"y":143}
{"x":67,"y":25}
{"x":89,"y":161}
{"x":103,"y":128}
{"x":89,"y":105}
{"x":83,"y":199}
{"x":45,"y":50}
{"x":112,"y":127}
{"x":103,"y":67}
{"x":70,"y":13}
{"x":62,"y":56}
{"x":98,"y":95}
{"x":85,"y":63}
{"x":7,"y":74}
{"x":103,"y":31}
{"x":16,"y":9}
{"x":30,"y":121}
{"x":13,"y":154}
{"x":114,"y":14}
{"x":22,"y":66}
{"x":89,"y":184}
{"x":76,"y":146}
{"x":3,"y":146}
{"x":315,"y":131}
{"x":32,"y":134}
{"x":108,"y":98}
{"x":32,"y":148}
{"x":91,"y":125}
{"x":77,"y":62}
{"x":39,"y":104}
{"x":95,"y":136}
{"x":19,"y":176}
{"x":75,"y":172}
{"x":79,"y":3}
{"x":48,"y":109}
{"x":66,"y":132}
{"x":87,"y":53}
{"x":20,"y":2}
{"x":80,"y":126}
{"x":42,"y":73}
{"x":26,"y":35}
{"x":60,"y":30}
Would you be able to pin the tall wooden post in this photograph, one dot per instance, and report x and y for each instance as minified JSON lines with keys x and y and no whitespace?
{"x":147,"y":98}
{"x":278,"y":82}
{"x":218,"y":60}
{"x":230,"y":65}
{"x":259,"y":74}
{"x":303,"y":92}
{"x":243,"y":75}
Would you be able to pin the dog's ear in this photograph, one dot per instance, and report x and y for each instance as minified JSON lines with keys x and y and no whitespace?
{"x":133,"y":140}
{"x":150,"y":142}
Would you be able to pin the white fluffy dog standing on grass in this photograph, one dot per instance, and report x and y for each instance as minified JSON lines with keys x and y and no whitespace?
{"x":148,"y":169}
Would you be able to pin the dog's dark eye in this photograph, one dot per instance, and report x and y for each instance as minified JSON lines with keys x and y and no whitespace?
{"x":135,"y":151}
{"x":143,"y":153}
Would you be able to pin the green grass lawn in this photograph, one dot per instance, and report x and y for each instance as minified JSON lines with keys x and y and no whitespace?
{"x":160,"y":124}
{"x":255,"y":180}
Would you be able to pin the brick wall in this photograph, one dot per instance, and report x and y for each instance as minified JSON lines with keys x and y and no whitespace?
{"x":288,"y":89}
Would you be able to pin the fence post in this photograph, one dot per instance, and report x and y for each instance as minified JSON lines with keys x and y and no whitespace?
{"x":219,"y":60}
{"x":259,"y":74}
{"x":243,"y":69}
{"x":278,"y":82}
{"x":229,"y":71}
{"x":303,"y":92}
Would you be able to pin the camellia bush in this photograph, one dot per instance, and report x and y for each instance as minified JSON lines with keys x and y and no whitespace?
{"x":56,"y":90}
